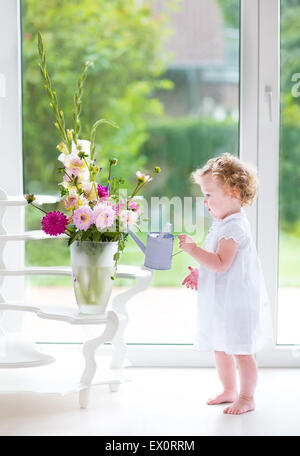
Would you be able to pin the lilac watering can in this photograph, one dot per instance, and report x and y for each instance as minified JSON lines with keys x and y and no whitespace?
{"x":159,"y":249}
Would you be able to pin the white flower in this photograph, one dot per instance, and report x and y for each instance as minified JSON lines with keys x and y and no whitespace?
{"x":62,"y":148}
{"x":74,"y":165}
{"x":61,"y":157}
{"x":143,"y":177}
{"x":84,"y":146}
{"x":88,"y":187}
{"x":72,"y":161}
{"x":128,"y":218}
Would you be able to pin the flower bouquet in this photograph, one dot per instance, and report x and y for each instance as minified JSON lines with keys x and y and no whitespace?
{"x":97,"y":218}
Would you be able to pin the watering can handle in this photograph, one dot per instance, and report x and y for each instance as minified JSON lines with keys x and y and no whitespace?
{"x":180,"y":251}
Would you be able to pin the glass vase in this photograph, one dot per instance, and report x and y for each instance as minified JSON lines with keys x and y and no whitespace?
{"x":92,"y":268}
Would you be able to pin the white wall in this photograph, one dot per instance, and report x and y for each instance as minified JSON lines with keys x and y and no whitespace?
{"x":11,"y":150}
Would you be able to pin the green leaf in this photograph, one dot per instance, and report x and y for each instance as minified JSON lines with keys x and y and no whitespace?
{"x":74,"y":237}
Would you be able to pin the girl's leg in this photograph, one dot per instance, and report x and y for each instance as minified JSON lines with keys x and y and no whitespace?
{"x":226,"y":369}
{"x":248,"y":379}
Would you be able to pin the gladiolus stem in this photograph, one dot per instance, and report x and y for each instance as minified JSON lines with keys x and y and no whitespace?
{"x":96,"y":191}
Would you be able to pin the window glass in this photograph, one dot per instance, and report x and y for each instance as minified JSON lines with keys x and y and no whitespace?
{"x":289,"y":177}
{"x":168,"y":73}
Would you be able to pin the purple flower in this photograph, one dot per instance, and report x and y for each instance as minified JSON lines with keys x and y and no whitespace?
{"x":102,"y":192}
{"x":54,"y":223}
{"x":83,"y":217}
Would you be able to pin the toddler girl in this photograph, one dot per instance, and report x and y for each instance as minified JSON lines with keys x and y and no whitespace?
{"x":229,"y":281}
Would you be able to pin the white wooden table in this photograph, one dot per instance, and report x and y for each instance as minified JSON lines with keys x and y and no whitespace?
{"x":17,"y":352}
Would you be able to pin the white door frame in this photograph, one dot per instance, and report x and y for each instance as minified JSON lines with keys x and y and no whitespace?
{"x":11,"y":169}
{"x":260,"y":129}
{"x":11,"y":175}
{"x":268,"y":154}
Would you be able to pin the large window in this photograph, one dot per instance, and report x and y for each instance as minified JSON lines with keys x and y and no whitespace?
{"x":289,"y":172}
{"x":168,"y":74}
{"x":178,"y":108}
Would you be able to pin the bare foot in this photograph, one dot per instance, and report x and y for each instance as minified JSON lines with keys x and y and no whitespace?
{"x":242,"y":405}
{"x":226,"y":396}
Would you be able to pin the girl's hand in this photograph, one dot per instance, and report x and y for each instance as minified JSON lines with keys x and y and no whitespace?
{"x":191,"y":281}
{"x":186,"y":243}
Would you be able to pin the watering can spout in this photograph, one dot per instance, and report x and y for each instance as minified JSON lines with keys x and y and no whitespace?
{"x":137,"y":240}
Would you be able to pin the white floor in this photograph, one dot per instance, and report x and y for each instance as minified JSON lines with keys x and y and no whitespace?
{"x":157,"y":402}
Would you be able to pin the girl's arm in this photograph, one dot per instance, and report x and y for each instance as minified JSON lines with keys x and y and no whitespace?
{"x":218,"y":261}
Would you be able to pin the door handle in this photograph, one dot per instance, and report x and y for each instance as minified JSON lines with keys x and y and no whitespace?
{"x":269,"y":95}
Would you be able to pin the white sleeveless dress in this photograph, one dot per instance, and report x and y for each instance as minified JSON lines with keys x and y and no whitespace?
{"x":233,"y":308}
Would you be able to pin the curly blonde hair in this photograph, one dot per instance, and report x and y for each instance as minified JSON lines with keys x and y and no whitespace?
{"x":232,"y":174}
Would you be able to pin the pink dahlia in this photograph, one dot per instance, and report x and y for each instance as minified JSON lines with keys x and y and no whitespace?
{"x":83,"y":217}
{"x":133,"y":206}
{"x":105,"y":216}
{"x":54,"y":223}
{"x":102,"y":192}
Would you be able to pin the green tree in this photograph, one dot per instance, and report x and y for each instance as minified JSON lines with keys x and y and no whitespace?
{"x":289,"y":172}
{"x":289,"y":55}
{"x":124,"y":41}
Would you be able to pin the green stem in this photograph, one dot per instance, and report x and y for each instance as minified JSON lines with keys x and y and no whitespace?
{"x":71,"y":181}
{"x":144,"y":183}
{"x":90,"y":173}
{"x":134,"y":192}
{"x":77,"y":100}
{"x":68,"y":175}
{"x":94,"y":185}
{"x":38,"y":208}
{"x":93,"y":133}
{"x":139,"y":186}
{"x":109,"y":176}
{"x":51,"y":93}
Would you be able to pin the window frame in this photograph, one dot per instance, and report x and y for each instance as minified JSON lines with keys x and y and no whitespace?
{"x":11,"y":175}
{"x":268,"y":165}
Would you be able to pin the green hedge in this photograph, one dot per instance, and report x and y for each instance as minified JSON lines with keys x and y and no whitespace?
{"x":181,"y":145}
{"x":289,"y":178}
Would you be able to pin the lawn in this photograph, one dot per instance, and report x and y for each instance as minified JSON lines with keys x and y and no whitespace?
{"x":289,"y":260}
{"x":51,"y":252}
{"x":56,"y":252}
